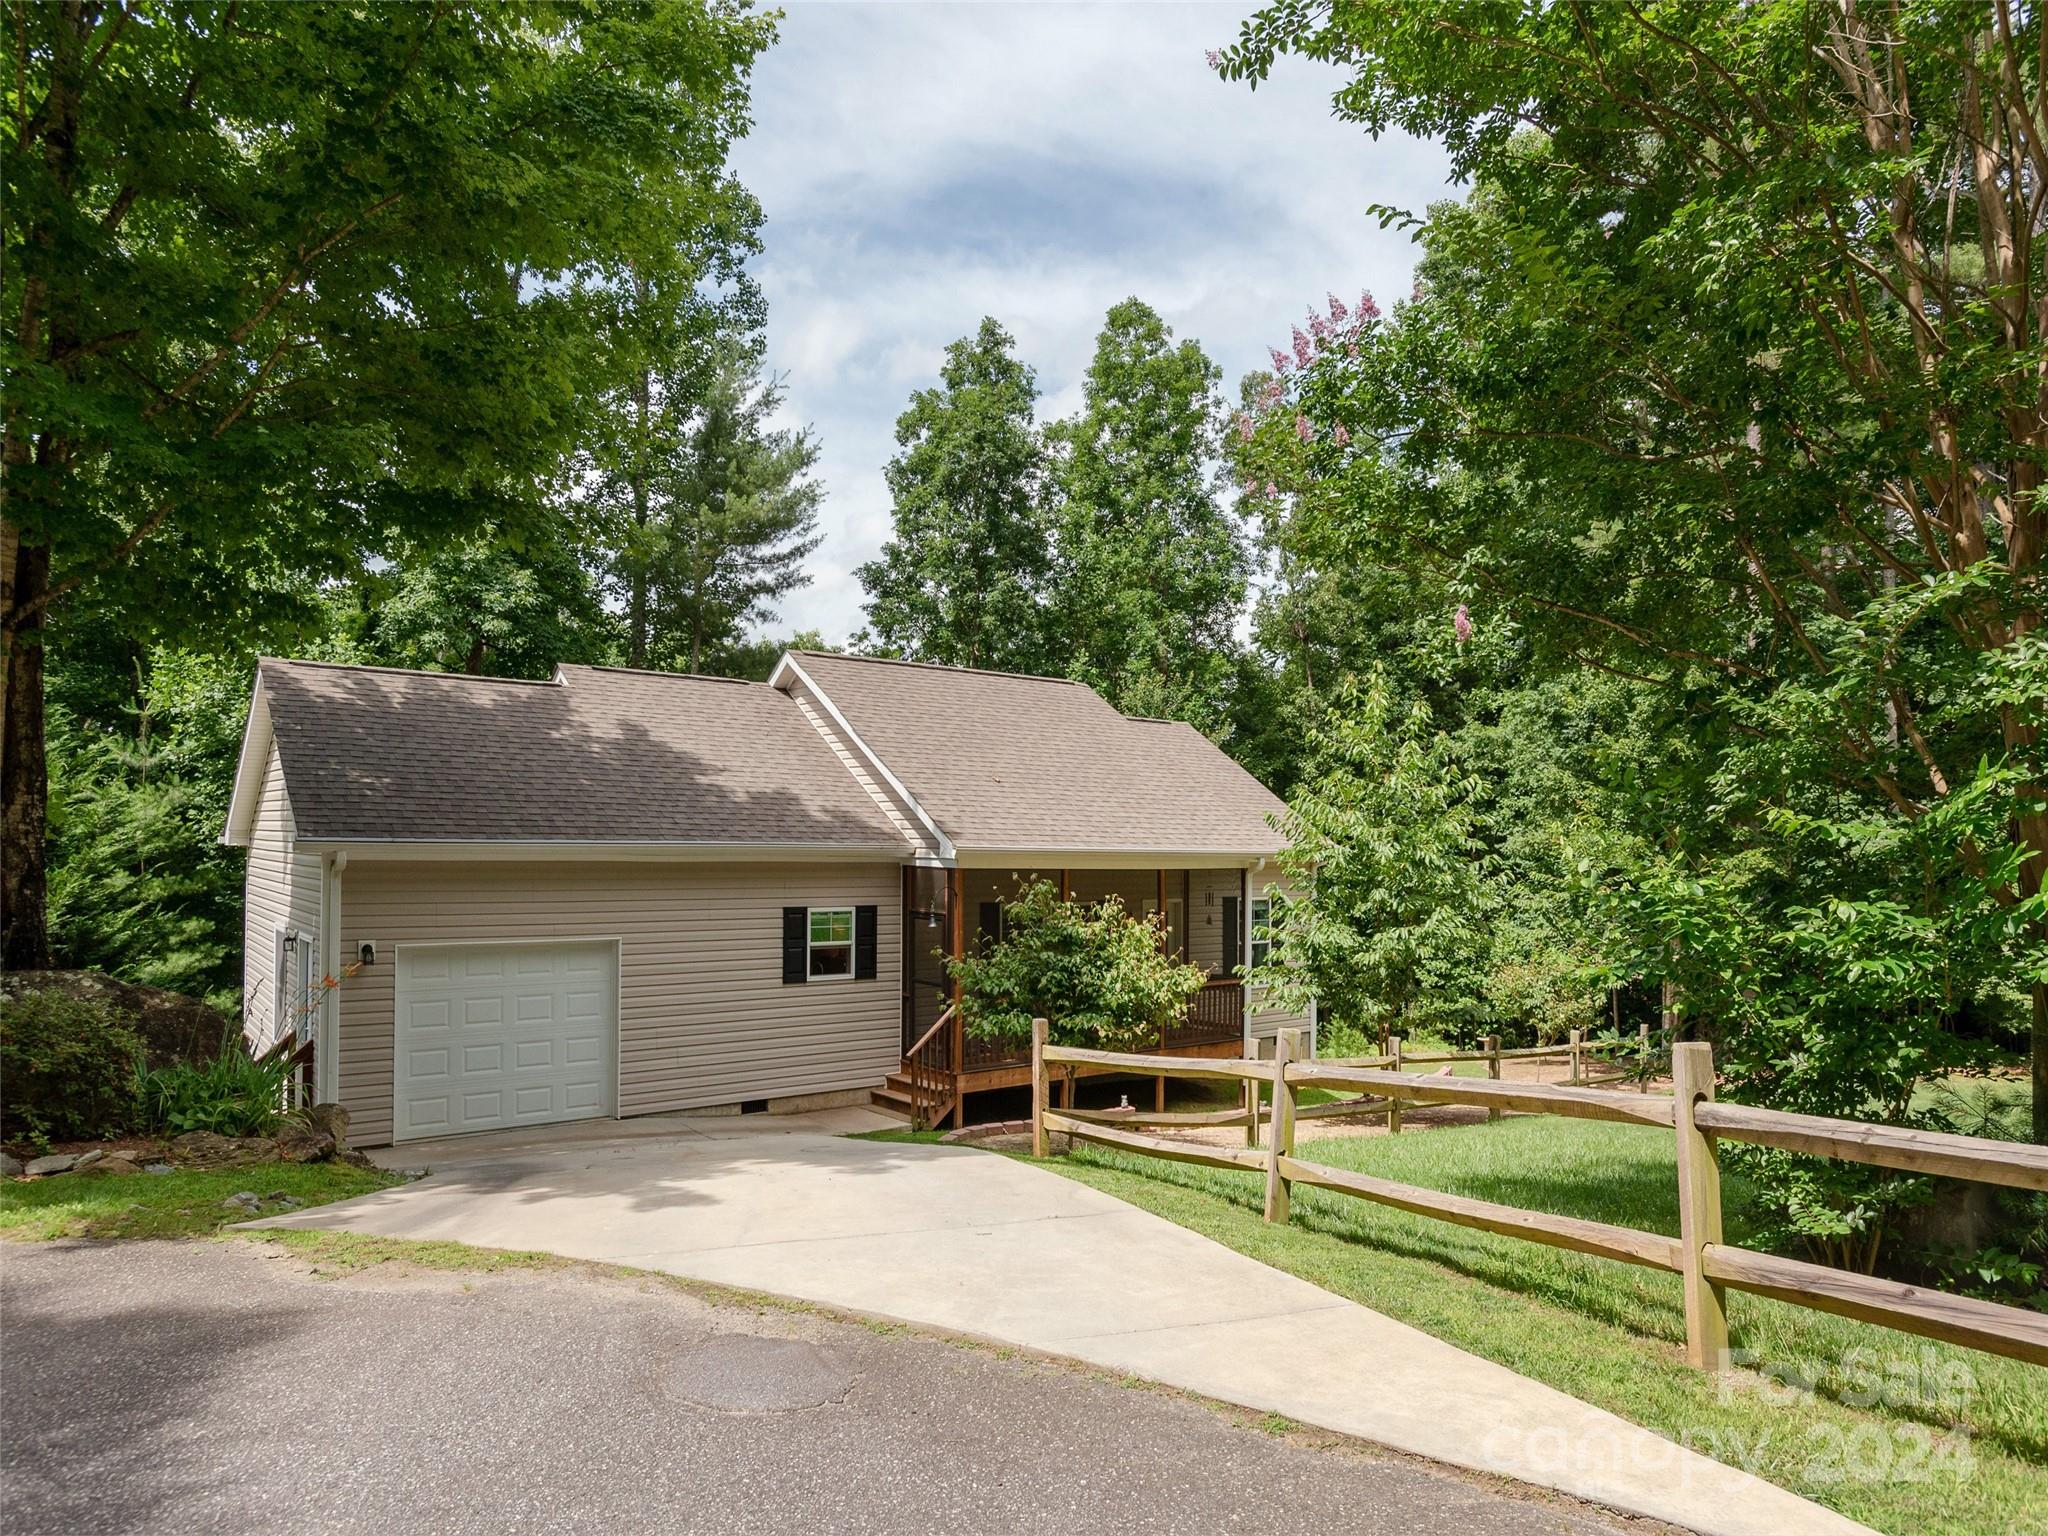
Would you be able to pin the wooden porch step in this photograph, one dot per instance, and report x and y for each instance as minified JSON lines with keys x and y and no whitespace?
{"x":891,"y":1100}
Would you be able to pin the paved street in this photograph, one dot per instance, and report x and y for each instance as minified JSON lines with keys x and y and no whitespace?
{"x":220,"y":1387}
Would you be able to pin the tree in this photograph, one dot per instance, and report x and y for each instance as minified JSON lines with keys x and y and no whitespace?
{"x":1151,"y":570}
{"x":1738,"y":342}
{"x":290,"y":284}
{"x":712,"y":512}
{"x":963,"y":580}
{"x":1098,"y":975}
{"x":1384,"y":931}
{"x":487,"y":609}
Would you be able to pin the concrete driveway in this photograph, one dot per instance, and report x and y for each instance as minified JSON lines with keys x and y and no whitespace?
{"x":987,"y":1246}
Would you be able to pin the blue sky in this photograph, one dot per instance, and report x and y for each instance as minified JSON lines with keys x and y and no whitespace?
{"x":921,"y":165}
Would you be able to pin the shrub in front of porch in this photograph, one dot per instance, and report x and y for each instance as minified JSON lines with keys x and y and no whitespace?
{"x":1100,"y":976}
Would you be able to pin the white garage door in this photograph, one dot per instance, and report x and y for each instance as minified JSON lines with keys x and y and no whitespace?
{"x":495,"y":1035}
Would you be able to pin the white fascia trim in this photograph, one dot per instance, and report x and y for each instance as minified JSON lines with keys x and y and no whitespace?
{"x":567,"y":849}
{"x":787,"y":667}
{"x":257,"y":737}
{"x":1106,"y":858}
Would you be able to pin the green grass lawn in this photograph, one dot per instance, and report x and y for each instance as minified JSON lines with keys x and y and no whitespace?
{"x":183,"y":1204}
{"x":1613,"y":1334}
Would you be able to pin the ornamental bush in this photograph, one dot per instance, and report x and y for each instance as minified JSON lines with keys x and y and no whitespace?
{"x":1100,"y":976}
{"x":235,"y":1094}
{"x":67,"y":1068}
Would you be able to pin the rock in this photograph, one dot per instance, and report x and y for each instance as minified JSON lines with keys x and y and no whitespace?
{"x":10,"y":1166}
{"x":303,"y":1144}
{"x":173,"y":1027}
{"x":353,"y":1158}
{"x":289,"y":1203}
{"x":413,"y":1173}
{"x":206,"y":1149}
{"x":55,"y":1163}
{"x":122,"y":1161}
{"x":158,"y":1168}
{"x":332,"y":1119}
{"x":89,"y":1159}
{"x":241,"y":1200}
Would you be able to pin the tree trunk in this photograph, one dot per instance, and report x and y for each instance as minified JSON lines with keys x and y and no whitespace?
{"x":636,"y":602}
{"x":24,"y":781}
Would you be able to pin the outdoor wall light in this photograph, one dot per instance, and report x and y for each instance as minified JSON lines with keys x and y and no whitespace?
{"x":369,"y":952}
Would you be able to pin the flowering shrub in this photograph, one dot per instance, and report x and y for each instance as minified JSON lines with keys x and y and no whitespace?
{"x":1100,"y":976}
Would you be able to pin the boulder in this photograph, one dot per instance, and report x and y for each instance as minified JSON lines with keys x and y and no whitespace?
{"x":90,"y":1159}
{"x":353,"y":1158}
{"x":303,"y":1144}
{"x":332,"y":1119}
{"x":55,"y":1163}
{"x":10,"y":1166}
{"x":206,"y":1149}
{"x":120,"y":1161}
{"x":173,"y":1027}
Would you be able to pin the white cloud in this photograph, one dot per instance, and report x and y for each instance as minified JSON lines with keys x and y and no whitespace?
{"x":923,"y":165}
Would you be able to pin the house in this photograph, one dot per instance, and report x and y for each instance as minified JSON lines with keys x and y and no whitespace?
{"x":492,"y":903}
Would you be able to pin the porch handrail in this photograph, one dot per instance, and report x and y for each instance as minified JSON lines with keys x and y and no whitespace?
{"x":931,"y":1086}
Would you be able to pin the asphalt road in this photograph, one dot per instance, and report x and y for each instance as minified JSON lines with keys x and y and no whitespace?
{"x":221,"y":1388}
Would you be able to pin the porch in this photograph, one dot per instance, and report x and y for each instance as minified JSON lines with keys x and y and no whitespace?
{"x":951,"y":912}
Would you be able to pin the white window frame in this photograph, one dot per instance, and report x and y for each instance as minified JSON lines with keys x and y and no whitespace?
{"x":851,"y":945}
{"x":1259,"y":916}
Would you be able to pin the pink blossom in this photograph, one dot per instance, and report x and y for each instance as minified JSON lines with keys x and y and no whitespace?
{"x":1304,"y":354}
{"x":1279,"y":359}
{"x":1461,"y":623}
{"x":1368,"y":307}
{"x":1415,"y":293}
{"x":1215,"y":59}
{"x":1304,"y":429}
{"x":1272,"y":394}
{"x":1318,"y":327}
{"x":1337,"y":310}
{"x":1272,"y":489}
{"x":1251,"y":485}
{"x":1244,"y":426}
{"x":1339,"y":436}
{"x":1351,"y":349}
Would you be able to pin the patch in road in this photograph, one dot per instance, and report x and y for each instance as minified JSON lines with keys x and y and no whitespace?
{"x":218,"y":1387}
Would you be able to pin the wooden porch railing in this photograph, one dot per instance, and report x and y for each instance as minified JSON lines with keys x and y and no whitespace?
{"x":928,"y":1074}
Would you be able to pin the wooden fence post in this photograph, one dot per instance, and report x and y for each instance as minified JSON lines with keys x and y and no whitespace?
{"x":1280,"y":1134}
{"x":1251,"y":1102}
{"x":1699,"y":1209}
{"x":1578,"y":1056}
{"x":1394,"y":1104}
{"x":1491,"y":1045}
{"x":1038,"y":1033}
{"x":1643,"y":1054}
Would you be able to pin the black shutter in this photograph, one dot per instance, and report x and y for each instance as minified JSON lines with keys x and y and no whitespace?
{"x":864,"y":943}
{"x":1233,"y":936}
{"x":795,"y":944}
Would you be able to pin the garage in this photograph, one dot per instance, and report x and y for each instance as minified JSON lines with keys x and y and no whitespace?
{"x":491,"y":1036}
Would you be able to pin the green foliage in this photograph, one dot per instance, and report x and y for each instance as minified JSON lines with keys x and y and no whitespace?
{"x":1383,"y":930}
{"x":1098,"y":549}
{"x":142,"y":763}
{"x":187,"y":1203}
{"x":1151,"y":570}
{"x":484,"y":607}
{"x":703,"y":512}
{"x":235,"y":1094}
{"x":963,"y":579}
{"x":1099,"y":976}
{"x":67,"y":1066}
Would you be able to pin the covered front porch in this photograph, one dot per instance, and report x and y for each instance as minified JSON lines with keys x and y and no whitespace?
{"x":950,"y":912}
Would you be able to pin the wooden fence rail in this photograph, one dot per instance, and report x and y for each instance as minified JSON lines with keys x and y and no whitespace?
{"x":1705,"y":1263}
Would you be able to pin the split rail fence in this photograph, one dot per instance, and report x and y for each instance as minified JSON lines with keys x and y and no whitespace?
{"x":1705,"y":1263}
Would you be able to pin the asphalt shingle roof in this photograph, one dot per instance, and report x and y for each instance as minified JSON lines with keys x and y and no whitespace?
{"x":601,"y":755}
{"x":1005,"y":761}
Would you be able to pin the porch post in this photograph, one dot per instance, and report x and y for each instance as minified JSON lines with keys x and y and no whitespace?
{"x":956,"y":946}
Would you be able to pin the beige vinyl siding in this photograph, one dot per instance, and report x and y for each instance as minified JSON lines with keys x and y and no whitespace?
{"x":704,"y":1016}
{"x":281,"y":890}
{"x":1138,"y":889}
{"x":1206,"y":890}
{"x":1268,"y":1022}
{"x":893,"y":805}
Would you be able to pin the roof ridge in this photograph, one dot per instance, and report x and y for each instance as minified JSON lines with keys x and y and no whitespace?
{"x":681,"y":677}
{"x":368,"y":666}
{"x":940,"y":666}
